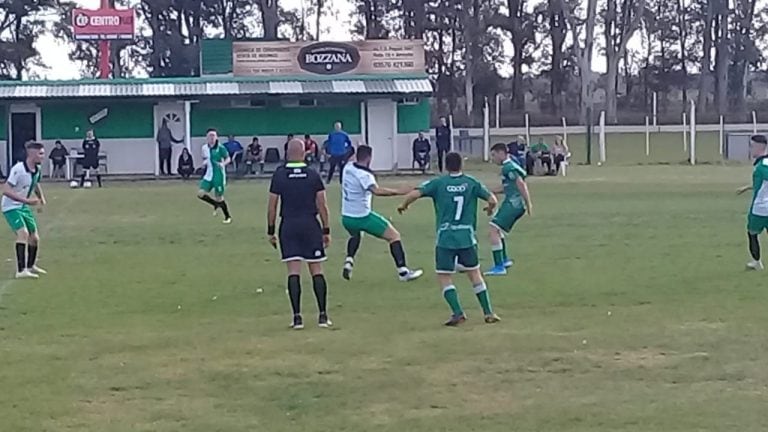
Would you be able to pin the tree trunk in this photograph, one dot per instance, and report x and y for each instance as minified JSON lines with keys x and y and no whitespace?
{"x":320,"y":8}
{"x":683,"y":22}
{"x":518,"y":95}
{"x":705,"y":80}
{"x":270,"y":19}
{"x":557,"y":29}
{"x":722,"y":57}
{"x":585,"y":63}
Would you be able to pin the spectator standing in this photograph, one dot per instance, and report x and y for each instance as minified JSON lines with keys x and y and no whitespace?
{"x":288,"y":139}
{"x":443,"y":141}
{"x":91,"y":148}
{"x":186,"y":166}
{"x":311,"y":150}
{"x":253,"y":156}
{"x":58,"y":158}
{"x":421,"y":151}
{"x":165,"y":142}
{"x":339,"y":146}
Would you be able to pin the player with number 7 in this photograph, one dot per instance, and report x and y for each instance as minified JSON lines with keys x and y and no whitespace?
{"x":455,"y":197}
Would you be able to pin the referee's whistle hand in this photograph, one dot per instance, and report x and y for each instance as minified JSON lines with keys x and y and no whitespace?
{"x":273,"y":241}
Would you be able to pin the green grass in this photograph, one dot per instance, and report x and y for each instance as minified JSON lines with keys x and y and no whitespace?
{"x":628,"y":310}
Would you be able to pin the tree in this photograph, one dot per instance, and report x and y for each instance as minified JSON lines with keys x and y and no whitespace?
{"x":583,"y":51}
{"x":20,"y":26}
{"x":723,"y":54}
{"x":557,"y":29}
{"x":620,"y":23}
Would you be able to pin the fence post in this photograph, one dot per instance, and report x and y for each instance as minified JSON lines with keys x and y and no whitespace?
{"x":647,"y":136}
{"x":565,"y":131}
{"x":685,"y":132}
{"x":527,"y":129}
{"x":722,"y":134}
{"x":601,"y":141}
{"x":693,"y":132}
{"x":486,"y":131}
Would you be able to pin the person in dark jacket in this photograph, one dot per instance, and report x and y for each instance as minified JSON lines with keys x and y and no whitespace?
{"x":58,"y":158}
{"x":443,"y":141}
{"x":186,"y":165}
{"x":338,"y":149}
{"x":165,"y":142}
{"x":90,"y":161}
{"x":421,"y":151}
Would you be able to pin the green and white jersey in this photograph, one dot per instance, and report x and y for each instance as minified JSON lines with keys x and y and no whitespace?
{"x":510,"y":172}
{"x":455,"y":198}
{"x":213,"y":157}
{"x":23,"y":182}
{"x":760,"y":187}
{"x":356,"y":191}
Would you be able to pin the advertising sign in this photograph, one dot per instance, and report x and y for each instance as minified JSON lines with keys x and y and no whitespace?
{"x":103,"y":24}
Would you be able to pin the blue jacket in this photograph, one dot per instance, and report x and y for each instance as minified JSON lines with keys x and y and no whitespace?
{"x":338,"y":143}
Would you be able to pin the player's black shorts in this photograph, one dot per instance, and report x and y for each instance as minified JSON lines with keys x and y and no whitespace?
{"x":301,"y":239}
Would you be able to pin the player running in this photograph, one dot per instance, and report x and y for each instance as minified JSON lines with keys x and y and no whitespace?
{"x":358,"y":187}
{"x":455,"y":197}
{"x":757,"y":219}
{"x":17,"y":202}
{"x":216,"y":159}
{"x":516,"y":202}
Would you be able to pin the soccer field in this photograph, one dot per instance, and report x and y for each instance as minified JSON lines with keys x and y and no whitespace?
{"x":628,"y":309}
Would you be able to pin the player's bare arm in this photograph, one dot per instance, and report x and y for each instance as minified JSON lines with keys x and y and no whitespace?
{"x":274,"y":199}
{"x":388,"y":192}
{"x":497,"y":189}
{"x":40,"y":195}
{"x":493,"y":202}
{"x":322,"y":210}
{"x":743,"y":189}
{"x":7,"y":191}
{"x":522,"y":186}
{"x":410,"y":198}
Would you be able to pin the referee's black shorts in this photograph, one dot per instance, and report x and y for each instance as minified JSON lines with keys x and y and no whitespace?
{"x":301,"y":239}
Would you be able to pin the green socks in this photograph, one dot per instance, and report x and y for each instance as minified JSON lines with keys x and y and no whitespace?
{"x":498,"y":254}
{"x":481,"y":291}
{"x":504,"y":255}
{"x":452,"y":298}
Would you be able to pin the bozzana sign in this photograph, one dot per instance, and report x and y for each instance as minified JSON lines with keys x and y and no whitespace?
{"x":103,"y":24}
{"x":328,"y":58}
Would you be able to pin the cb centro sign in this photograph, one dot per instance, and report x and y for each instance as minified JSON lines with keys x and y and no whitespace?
{"x":103,"y":24}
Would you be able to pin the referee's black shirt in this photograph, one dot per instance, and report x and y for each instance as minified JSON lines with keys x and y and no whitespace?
{"x":297,"y":186}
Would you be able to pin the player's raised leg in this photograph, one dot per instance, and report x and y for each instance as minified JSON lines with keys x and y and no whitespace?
{"x":497,"y":249}
{"x":353,"y":245}
{"x":754,"y":250}
{"x":397,"y":251}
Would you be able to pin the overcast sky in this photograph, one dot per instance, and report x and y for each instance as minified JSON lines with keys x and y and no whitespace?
{"x":55,"y":54}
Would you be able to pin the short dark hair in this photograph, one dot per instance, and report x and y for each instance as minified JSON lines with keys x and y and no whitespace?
{"x":453,"y":162}
{"x":759,"y":139}
{"x":34,"y":145}
{"x":307,"y":136}
{"x":499,"y":147}
{"x":211,"y":130}
{"x":364,"y":152}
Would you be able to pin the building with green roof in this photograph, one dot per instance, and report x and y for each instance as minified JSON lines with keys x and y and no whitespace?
{"x":378,"y":90}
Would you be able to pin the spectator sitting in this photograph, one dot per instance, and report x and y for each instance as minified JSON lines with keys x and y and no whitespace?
{"x":253,"y":155}
{"x":539,"y":152}
{"x":560,"y":152}
{"x":58,"y":158}
{"x":186,"y":166}
{"x":421,"y":152}
{"x":311,"y":150}
{"x":235,"y":150}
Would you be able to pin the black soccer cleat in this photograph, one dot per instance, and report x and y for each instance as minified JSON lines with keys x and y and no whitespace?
{"x":456,"y":320}
{"x":298,"y":322}
{"x":323,"y":321}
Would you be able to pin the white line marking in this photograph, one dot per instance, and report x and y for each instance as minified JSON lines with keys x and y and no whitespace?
{"x":5,"y":286}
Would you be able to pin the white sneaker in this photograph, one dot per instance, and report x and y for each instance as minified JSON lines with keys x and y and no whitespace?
{"x":755,"y":265}
{"x":227,"y":221}
{"x":38,"y":270}
{"x":346,"y":272}
{"x":411,"y":275}
{"x":26,"y":274}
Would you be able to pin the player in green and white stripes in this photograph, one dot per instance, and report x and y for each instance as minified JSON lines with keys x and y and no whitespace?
{"x":21,"y":192}
{"x":757,"y":218}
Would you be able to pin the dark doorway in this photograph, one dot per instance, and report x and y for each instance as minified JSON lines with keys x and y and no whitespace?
{"x":23,"y":129}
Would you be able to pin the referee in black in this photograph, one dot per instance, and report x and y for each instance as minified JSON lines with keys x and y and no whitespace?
{"x":301,"y":194}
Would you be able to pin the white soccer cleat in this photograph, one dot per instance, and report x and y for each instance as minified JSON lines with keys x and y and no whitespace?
{"x":37,"y":270}
{"x":411,"y":275}
{"x":227,"y":221}
{"x":755,"y":265}
{"x":26,"y":274}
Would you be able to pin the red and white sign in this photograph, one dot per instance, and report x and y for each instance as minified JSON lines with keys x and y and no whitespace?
{"x":103,"y":24}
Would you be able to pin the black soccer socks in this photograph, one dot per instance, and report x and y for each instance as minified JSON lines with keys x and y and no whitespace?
{"x":321,"y":292}
{"x":294,"y":292}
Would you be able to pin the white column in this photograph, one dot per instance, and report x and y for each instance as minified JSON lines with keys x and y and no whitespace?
{"x":565,"y":131}
{"x":602,"y":137}
{"x":722,"y":133}
{"x":754,"y":123}
{"x":693,"y":132}
{"x":655,"y":109}
{"x":685,"y":132}
{"x":187,"y":126}
{"x":527,"y":129}
{"x":363,"y":128}
{"x":395,"y":137}
{"x":647,"y":136}
{"x":486,"y":131}
{"x":498,"y":110}
{"x":450,"y":126}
